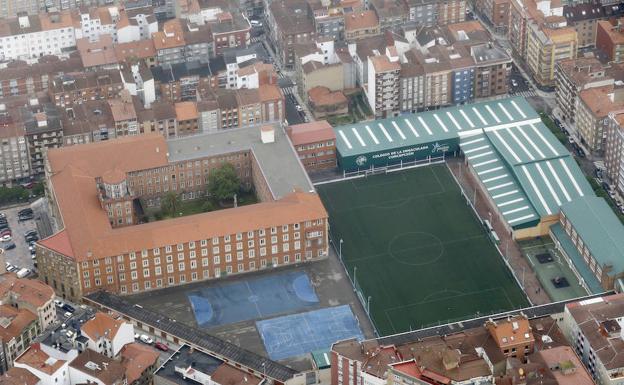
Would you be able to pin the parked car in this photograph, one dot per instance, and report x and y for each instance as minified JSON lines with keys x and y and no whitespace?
{"x":67,"y":314}
{"x":145,"y":339}
{"x":12,"y":268}
{"x":161,"y":346}
{"x":6,"y":238}
{"x":30,"y":232}
{"x":31,"y":238}
{"x":137,"y":336}
{"x":5,"y":232}
{"x":59,"y":303}
{"x":68,"y":307}
{"x":24,"y":272}
{"x":10,"y":246}
{"x":28,"y":185}
{"x":25,"y":218}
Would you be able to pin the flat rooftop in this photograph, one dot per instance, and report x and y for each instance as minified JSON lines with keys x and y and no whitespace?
{"x":278,"y":161}
{"x":184,"y":358}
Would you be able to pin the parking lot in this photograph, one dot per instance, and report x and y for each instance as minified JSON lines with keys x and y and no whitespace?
{"x":20,"y":255}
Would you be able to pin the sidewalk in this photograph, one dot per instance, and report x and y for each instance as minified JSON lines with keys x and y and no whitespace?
{"x":519,"y":264}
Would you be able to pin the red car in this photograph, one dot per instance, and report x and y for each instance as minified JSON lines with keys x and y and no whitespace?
{"x":161,"y":346}
{"x":5,"y":232}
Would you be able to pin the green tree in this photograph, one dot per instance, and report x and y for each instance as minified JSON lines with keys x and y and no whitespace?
{"x":170,"y":203}
{"x":223,"y":182}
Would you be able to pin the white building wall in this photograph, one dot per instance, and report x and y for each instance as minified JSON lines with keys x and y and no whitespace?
{"x":124,"y":336}
{"x":371,"y":86}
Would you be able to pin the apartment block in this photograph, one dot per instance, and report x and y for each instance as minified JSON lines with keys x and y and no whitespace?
{"x":382,"y":89}
{"x":360,"y":25}
{"x":30,"y":37}
{"x":315,"y":142}
{"x":75,"y":88}
{"x":286,"y":227}
{"x":292,"y":23}
{"x":329,"y":21}
{"x":610,"y":38}
{"x":19,"y":329}
{"x":574,"y":75}
{"x":592,"y":109}
{"x":614,"y":150}
{"x":391,"y":13}
{"x":546,"y":45}
{"x":584,"y":19}
{"x":18,"y":78}
{"x":594,"y":327}
{"x":496,"y":12}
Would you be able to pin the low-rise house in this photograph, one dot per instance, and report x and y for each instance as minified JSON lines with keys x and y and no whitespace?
{"x":107,"y":335}
{"x":315,"y":143}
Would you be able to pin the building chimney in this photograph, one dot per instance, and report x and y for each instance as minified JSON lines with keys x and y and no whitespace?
{"x":267,"y":134}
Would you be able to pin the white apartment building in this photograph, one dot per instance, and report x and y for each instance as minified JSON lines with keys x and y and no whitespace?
{"x":382,"y":88}
{"x":123,"y":28}
{"x":614,"y":150}
{"x":595,"y":328}
{"x":29,"y":37}
{"x":47,"y":363}
{"x":107,"y":335}
{"x":98,"y":21}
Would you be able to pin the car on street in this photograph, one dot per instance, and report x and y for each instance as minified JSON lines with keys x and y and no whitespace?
{"x":514,"y":83}
{"x":68,"y":307}
{"x":298,"y":107}
{"x":67,"y":314}
{"x":161,"y":346}
{"x":58,"y":303}
{"x":146,"y":340}
{"x":10,"y":246}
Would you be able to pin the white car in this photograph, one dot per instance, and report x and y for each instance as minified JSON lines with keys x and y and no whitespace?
{"x":147,"y":340}
{"x":58,"y":303}
{"x":6,"y":238}
{"x":68,"y":314}
{"x":298,"y":107}
{"x":137,"y":336}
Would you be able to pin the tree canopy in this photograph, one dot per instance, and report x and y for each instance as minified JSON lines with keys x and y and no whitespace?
{"x":223,"y":182}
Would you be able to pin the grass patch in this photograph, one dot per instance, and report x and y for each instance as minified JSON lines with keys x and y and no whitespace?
{"x":202,"y":205}
{"x":552,"y":126}
{"x":413,"y":245}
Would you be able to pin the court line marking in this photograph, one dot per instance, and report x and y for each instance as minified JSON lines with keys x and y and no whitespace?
{"x":370,"y":133}
{"x":344,"y":137}
{"x":359,"y":138}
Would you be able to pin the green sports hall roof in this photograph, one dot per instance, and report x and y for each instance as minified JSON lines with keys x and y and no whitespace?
{"x":527,"y":173}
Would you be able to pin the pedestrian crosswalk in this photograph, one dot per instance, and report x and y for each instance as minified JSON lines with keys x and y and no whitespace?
{"x":288,"y":90}
{"x":526,"y":94}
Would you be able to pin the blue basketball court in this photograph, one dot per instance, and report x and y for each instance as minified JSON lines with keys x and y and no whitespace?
{"x":252,"y":298}
{"x":297,"y":334}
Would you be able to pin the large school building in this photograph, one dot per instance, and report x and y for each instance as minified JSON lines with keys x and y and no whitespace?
{"x":525,"y":172}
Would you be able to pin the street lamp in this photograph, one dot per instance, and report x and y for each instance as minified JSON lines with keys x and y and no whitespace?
{"x":340,"y":249}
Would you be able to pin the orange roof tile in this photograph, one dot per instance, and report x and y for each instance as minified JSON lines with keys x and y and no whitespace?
{"x":37,"y":358}
{"x":313,"y":132}
{"x":31,"y":291}
{"x":171,"y":36}
{"x":102,"y":325}
{"x":18,"y":320}
{"x":360,"y":20}
{"x":18,"y":376}
{"x":136,"y":358}
{"x":58,"y":242}
{"x":186,"y":111}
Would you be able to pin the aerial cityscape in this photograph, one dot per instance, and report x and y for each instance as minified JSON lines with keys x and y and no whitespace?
{"x":312,"y":192}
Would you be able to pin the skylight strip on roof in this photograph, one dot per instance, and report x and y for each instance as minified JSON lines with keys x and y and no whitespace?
{"x":440,"y":122}
{"x":484,"y":163}
{"x":467,"y":118}
{"x":522,"y":146}
{"x":487,"y":107}
{"x":544,"y":140}
{"x":500,"y":138}
{"x":480,"y":155}
{"x":383,"y":129}
{"x":480,"y":116}
{"x":344,"y":137}
{"x":409,"y":124}
{"x":536,"y":190}
{"x":567,"y":170}
{"x":504,"y":194}
{"x":372,"y":135}
{"x":521,"y":218}
{"x":448,"y":113}
{"x":491,"y":170}
{"x":513,"y":103}
{"x":396,"y":127}
{"x":547,"y":181}
{"x":424,"y":124}
{"x":473,"y":141}
{"x":531,"y":142}
{"x":500,"y":186}
{"x":511,"y":202}
{"x":476,"y":149}
{"x":359,"y":138}
{"x":515,"y":210}
{"x":492,"y":179}
{"x":500,"y":105}
{"x":561,"y":185}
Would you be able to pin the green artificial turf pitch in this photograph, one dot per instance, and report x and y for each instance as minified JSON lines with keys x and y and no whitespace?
{"x":417,"y":249}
